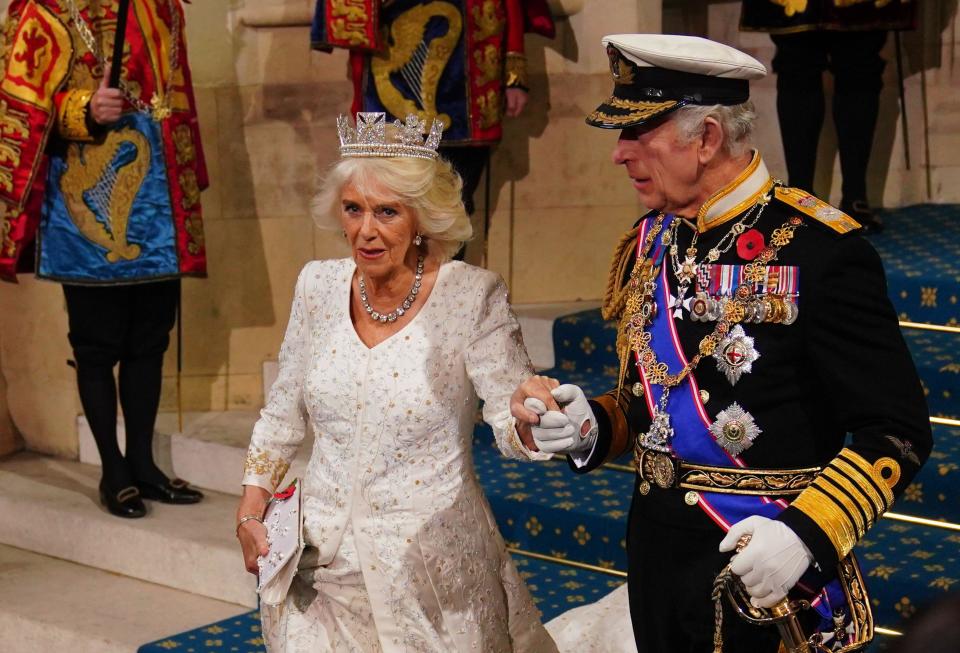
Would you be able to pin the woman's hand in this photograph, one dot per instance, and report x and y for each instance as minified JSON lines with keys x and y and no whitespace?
{"x":516,"y":101}
{"x":537,"y":387}
{"x":252,"y":533}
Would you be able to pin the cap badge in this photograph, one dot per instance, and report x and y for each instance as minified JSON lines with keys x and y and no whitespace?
{"x":620,"y":69}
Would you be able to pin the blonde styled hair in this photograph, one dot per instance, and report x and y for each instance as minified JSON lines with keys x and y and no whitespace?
{"x":430,"y":187}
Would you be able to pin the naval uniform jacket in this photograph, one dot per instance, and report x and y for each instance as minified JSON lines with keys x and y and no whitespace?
{"x":841,"y":368}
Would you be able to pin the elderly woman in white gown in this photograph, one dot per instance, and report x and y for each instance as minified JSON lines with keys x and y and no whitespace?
{"x":384,"y":356}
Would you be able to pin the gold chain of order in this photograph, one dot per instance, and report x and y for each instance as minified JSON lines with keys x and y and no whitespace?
{"x":159,"y":105}
{"x":733,"y":312}
{"x":641,"y":275}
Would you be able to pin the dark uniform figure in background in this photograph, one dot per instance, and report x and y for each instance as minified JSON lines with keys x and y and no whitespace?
{"x":846,"y":38}
{"x":754,"y":333}
{"x":459,"y":61}
{"x":100,"y":190}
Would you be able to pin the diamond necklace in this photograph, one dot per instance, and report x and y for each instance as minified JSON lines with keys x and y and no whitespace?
{"x":159,"y":105}
{"x":375,"y":315}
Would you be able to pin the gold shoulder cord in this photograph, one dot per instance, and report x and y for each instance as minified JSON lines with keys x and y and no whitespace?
{"x":615,"y":296}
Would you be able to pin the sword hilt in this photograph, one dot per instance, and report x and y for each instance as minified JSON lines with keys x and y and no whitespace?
{"x":783,"y":615}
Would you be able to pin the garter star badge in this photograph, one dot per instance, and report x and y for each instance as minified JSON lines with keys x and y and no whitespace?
{"x":734,"y":429}
{"x":735,"y":354}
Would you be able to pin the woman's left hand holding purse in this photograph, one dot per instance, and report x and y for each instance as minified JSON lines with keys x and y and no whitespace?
{"x":250,"y":529}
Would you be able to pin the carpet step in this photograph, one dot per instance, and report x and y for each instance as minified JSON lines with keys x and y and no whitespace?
{"x":54,"y":605}
{"x":935,"y":355}
{"x":920,"y":250}
{"x":52,"y":507}
{"x":545,"y":508}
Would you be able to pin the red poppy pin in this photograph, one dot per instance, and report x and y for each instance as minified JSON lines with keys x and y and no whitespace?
{"x":749,"y":244}
{"x":287,"y":493}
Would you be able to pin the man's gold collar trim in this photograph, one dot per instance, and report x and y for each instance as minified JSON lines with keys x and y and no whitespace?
{"x":737,"y":196}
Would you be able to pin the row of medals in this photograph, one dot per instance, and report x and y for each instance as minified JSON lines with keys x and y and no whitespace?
{"x":769,"y":307}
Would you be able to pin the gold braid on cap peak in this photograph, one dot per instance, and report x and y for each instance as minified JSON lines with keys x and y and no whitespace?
{"x":369,"y":138}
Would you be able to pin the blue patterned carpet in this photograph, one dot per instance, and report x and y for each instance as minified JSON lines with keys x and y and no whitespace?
{"x":921,"y":253}
{"x":546,"y":509}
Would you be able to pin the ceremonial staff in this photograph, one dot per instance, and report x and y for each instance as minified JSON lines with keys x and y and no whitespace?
{"x":903,"y":102}
{"x":119,"y":38}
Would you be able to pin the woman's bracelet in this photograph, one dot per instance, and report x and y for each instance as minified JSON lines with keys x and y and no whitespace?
{"x":245,"y":519}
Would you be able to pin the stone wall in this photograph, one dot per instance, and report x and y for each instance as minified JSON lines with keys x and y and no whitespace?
{"x":267,"y":109}
{"x":9,"y":438}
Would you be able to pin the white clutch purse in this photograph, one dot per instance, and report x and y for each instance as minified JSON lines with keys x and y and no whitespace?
{"x":284,"y":522}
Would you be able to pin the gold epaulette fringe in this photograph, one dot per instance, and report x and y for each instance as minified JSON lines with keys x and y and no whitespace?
{"x":615,"y":297}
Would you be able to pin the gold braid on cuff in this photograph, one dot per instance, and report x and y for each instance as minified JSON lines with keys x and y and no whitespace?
{"x":846,"y":499}
{"x":260,"y":463}
{"x":516,"y":71}
{"x":72,"y":116}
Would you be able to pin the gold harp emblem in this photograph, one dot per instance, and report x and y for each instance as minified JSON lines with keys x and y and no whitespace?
{"x":99,"y":186}
{"x":417,"y":63}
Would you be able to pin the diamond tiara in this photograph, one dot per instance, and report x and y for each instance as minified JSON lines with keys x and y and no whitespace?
{"x":369,"y":138}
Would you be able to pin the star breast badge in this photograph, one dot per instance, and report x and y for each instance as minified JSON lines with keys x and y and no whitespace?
{"x":735,"y":354}
{"x":734,"y":429}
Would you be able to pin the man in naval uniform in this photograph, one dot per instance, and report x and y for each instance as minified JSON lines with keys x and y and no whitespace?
{"x":754,"y":334}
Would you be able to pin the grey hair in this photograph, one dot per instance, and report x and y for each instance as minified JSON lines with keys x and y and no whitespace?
{"x":736,"y":122}
{"x":430,"y":187}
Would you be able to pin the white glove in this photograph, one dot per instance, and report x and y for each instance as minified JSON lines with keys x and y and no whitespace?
{"x":772,"y":563}
{"x":559,"y":432}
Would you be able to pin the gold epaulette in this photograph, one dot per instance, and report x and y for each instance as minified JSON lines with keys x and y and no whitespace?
{"x":848,"y":497}
{"x":817,"y":209}
{"x":614,"y":296}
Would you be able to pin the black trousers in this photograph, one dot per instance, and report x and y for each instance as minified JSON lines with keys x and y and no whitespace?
{"x":672,"y":563}
{"x":469,"y":162}
{"x":130,"y":326}
{"x":853,"y":58}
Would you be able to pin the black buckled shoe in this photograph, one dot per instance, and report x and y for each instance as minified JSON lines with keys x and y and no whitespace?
{"x":125,"y":503}
{"x":175,"y":491}
{"x":860,"y":211}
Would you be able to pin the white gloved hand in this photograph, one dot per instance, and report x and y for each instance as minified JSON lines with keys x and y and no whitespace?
{"x":559,"y":432}
{"x":772,"y":563}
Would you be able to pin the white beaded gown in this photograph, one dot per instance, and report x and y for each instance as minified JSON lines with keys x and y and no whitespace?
{"x":403,"y":553}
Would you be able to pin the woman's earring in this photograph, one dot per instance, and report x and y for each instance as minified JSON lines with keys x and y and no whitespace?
{"x":343,"y":232}
{"x":418,"y":240}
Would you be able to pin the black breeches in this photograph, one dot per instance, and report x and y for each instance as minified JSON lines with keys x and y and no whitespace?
{"x":469,"y":162}
{"x":129,"y":326}
{"x":854,"y":60}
